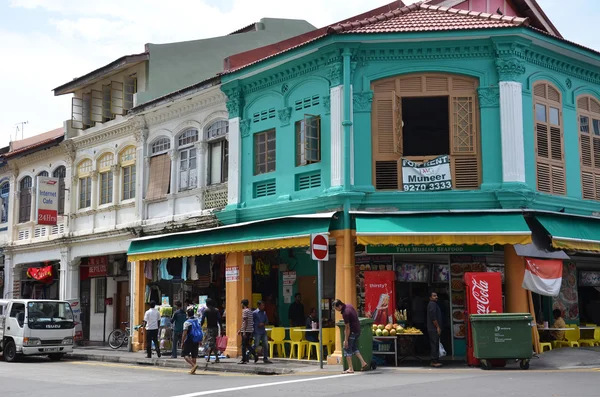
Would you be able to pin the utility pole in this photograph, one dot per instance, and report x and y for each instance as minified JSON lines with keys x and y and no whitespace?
{"x":22,"y":124}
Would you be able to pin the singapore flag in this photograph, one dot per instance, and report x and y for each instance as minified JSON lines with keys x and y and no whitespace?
{"x":543,"y":276}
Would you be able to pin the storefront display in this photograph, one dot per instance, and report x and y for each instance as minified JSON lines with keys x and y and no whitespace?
{"x":364,"y":264}
{"x":589,"y":279}
{"x":380,"y":296}
{"x":567,"y":300}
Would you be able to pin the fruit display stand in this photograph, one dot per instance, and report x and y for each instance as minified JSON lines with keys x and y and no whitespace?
{"x":402,"y":337}
{"x":385,"y":347}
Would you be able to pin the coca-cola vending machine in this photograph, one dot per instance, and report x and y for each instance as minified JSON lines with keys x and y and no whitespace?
{"x":483,"y":296}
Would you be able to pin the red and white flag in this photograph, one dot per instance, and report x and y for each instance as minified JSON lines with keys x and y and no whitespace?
{"x":543,"y":276}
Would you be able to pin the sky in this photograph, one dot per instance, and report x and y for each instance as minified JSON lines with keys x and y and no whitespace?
{"x":46,"y":43}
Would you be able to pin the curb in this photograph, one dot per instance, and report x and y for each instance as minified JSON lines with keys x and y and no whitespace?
{"x":252,"y":369}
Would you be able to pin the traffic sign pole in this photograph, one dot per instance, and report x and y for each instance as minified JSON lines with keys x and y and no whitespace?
{"x":319,"y":247}
{"x":320,"y":303}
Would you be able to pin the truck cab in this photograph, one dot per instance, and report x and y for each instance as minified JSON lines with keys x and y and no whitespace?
{"x":35,"y":327}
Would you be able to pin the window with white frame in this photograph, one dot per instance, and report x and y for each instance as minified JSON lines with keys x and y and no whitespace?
{"x":105,"y":176}
{"x":188,"y":173}
{"x":84,"y":172}
{"x":160,"y":169}
{"x":4,"y":199}
{"x":25,"y":199}
{"x":127,"y":162}
{"x":218,"y":152}
{"x":308,"y":140}
{"x":60,"y":173}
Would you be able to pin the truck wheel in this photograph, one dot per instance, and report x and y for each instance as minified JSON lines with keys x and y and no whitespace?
{"x":10,"y":352}
{"x":55,"y":357}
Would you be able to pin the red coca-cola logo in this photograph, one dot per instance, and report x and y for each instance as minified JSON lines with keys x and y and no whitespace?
{"x":480,"y":290}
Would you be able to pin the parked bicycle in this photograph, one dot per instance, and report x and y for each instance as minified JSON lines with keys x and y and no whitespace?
{"x":118,"y":337}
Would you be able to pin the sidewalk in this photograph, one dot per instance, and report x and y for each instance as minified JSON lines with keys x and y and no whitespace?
{"x":279,"y":366}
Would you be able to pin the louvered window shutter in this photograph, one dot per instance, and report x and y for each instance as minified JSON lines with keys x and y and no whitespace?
{"x":550,"y":166}
{"x":387,"y":140}
{"x":463,"y":142}
{"x":589,"y":147}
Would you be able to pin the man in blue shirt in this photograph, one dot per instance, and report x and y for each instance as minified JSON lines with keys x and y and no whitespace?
{"x":260,"y":334}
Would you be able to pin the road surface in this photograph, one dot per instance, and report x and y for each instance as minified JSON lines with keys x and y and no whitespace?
{"x":40,"y":377}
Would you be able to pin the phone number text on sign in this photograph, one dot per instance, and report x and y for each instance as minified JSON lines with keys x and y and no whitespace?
{"x":432,"y":175}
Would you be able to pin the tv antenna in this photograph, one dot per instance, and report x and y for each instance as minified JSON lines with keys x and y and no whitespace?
{"x":22,"y":129}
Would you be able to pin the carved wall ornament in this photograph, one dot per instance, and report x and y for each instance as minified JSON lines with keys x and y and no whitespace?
{"x":362,"y":101}
{"x":510,"y":69}
{"x":489,"y":97}
{"x":569,"y":83}
{"x":245,"y":127}
{"x":234,"y":102}
{"x":335,"y":74}
{"x":327,"y":103}
{"x":284,"y":115}
{"x":201,"y":147}
{"x":116,"y":169}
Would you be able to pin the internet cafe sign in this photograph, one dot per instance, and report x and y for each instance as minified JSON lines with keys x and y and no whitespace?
{"x":47,"y":200}
{"x":432,"y":175}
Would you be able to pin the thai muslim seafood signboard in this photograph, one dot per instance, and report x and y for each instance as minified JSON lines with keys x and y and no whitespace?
{"x":433,"y":175}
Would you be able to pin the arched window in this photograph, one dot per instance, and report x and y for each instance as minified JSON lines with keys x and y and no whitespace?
{"x":549,"y":156}
{"x":25,"y":199}
{"x":84,"y":172}
{"x":127,"y":162}
{"x":61,"y":174}
{"x":218,"y":152}
{"x":588,"y":110}
{"x":188,"y":173}
{"x":4,"y":200}
{"x":43,"y":173}
{"x":160,"y":146}
{"x":106,"y":178}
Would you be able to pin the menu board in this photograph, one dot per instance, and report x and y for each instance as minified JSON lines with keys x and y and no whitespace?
{"x":567,"y":300}
{"x":364,"y":264}
{"x":458,"y":299}
{"x":589,"y":279}
{"x":413,"y":273}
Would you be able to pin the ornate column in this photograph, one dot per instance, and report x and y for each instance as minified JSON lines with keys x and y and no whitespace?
{"x":511,"y":68}
{"x":69,"y":276}
{"x":336,"y":132}
{"x":141,"y":138}
{"x":116,"y":172}
{"x":95,"y":189}
{"x":13,"y":206}
{"x":8,"y":277}
{"x":137,"y":299}
{"x":234,"y":107}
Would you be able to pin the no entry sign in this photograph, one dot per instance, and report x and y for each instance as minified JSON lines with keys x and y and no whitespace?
{"x":319,"y":247}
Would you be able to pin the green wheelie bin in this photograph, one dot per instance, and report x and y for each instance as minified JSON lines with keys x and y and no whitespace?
{"x":502,"y":336}
{"x":365,"y":344}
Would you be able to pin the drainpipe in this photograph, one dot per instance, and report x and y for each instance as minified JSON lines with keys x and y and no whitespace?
{"x":346,"y":122}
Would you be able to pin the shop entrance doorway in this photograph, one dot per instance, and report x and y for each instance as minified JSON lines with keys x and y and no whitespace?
{"x":307,"y":286}
{"x":86,"y":292}
{"x":122,"y":304}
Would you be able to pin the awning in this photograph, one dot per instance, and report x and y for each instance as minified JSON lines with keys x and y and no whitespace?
{"x":573,"y":233}
{"x":442,"y":229}
{"x":288,"y":232}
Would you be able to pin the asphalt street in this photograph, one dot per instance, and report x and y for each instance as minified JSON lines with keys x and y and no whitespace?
{"x":43,"y":378}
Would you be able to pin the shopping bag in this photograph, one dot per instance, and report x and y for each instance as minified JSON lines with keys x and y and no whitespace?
{"x":442,"y":350}
{"x":221,"y":343}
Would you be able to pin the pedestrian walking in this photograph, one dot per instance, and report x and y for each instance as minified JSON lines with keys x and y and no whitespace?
{"x":351,"y":334}
{"x":190,"y":340}
{"x":213,"y":324}
{"x":152,"y":322}
{"x":434,"y":330}
{"x":260,"y":333}
{"x":246,"y":331}
{"x":177,"y":321}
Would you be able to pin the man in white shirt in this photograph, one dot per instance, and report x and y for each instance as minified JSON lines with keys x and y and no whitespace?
{"x":152,"y":321}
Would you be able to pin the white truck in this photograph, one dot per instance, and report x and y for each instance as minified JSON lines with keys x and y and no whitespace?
{"x":35,"y":327}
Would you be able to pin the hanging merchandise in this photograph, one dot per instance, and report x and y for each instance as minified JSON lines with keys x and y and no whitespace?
{"x":148,"y":270}
{"x":193,"y":269}
{"x":164,"y":273}
{"x":184,"y":262}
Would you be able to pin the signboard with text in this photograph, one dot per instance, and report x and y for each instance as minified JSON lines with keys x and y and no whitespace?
{"x":432,"y":175}
{"x":47,"y":200}
{"x":232,"y":274}
{"x":428,"y":249}
{"x":97,"y":266}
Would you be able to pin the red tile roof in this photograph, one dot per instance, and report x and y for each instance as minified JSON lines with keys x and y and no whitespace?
{"x":17,"y":147}
{"x":421,"y":17}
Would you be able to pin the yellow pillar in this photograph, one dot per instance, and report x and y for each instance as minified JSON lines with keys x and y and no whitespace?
{"x":235,"y":291}
{"x":138,"y":300}
{"x":514,"y":271}
{"x":345,"y":283}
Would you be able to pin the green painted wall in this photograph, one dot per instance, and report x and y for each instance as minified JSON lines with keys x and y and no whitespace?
{"x":174,"y":66}
{"x":313,"y":69}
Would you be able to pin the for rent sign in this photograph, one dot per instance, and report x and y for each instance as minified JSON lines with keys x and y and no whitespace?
{"x":47,"y":200}
{"x":432,"y":175}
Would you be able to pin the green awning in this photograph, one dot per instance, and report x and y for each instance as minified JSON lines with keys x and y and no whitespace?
{"x":442,"y":229}
{"x":293,"y":231}
{"x":568,"y":232}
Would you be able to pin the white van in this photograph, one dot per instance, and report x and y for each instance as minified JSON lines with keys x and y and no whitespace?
{"x":35,"y":327}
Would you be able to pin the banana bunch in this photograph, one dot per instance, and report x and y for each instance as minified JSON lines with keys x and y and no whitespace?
{"x":400,"y":315}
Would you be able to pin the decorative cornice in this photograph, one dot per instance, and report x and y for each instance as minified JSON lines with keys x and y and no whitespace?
{"x":98,"y":137}
{"x":245,"y":127}
{"x":191,"y":105}
{"x":572,"y":68}
{"x":510,"y":69}
{"x":41,"y":155}
{"x":284,"y":116}
{"x":362,"y":101}
{"x":425,"y":53}
{"x":489,"y":97}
